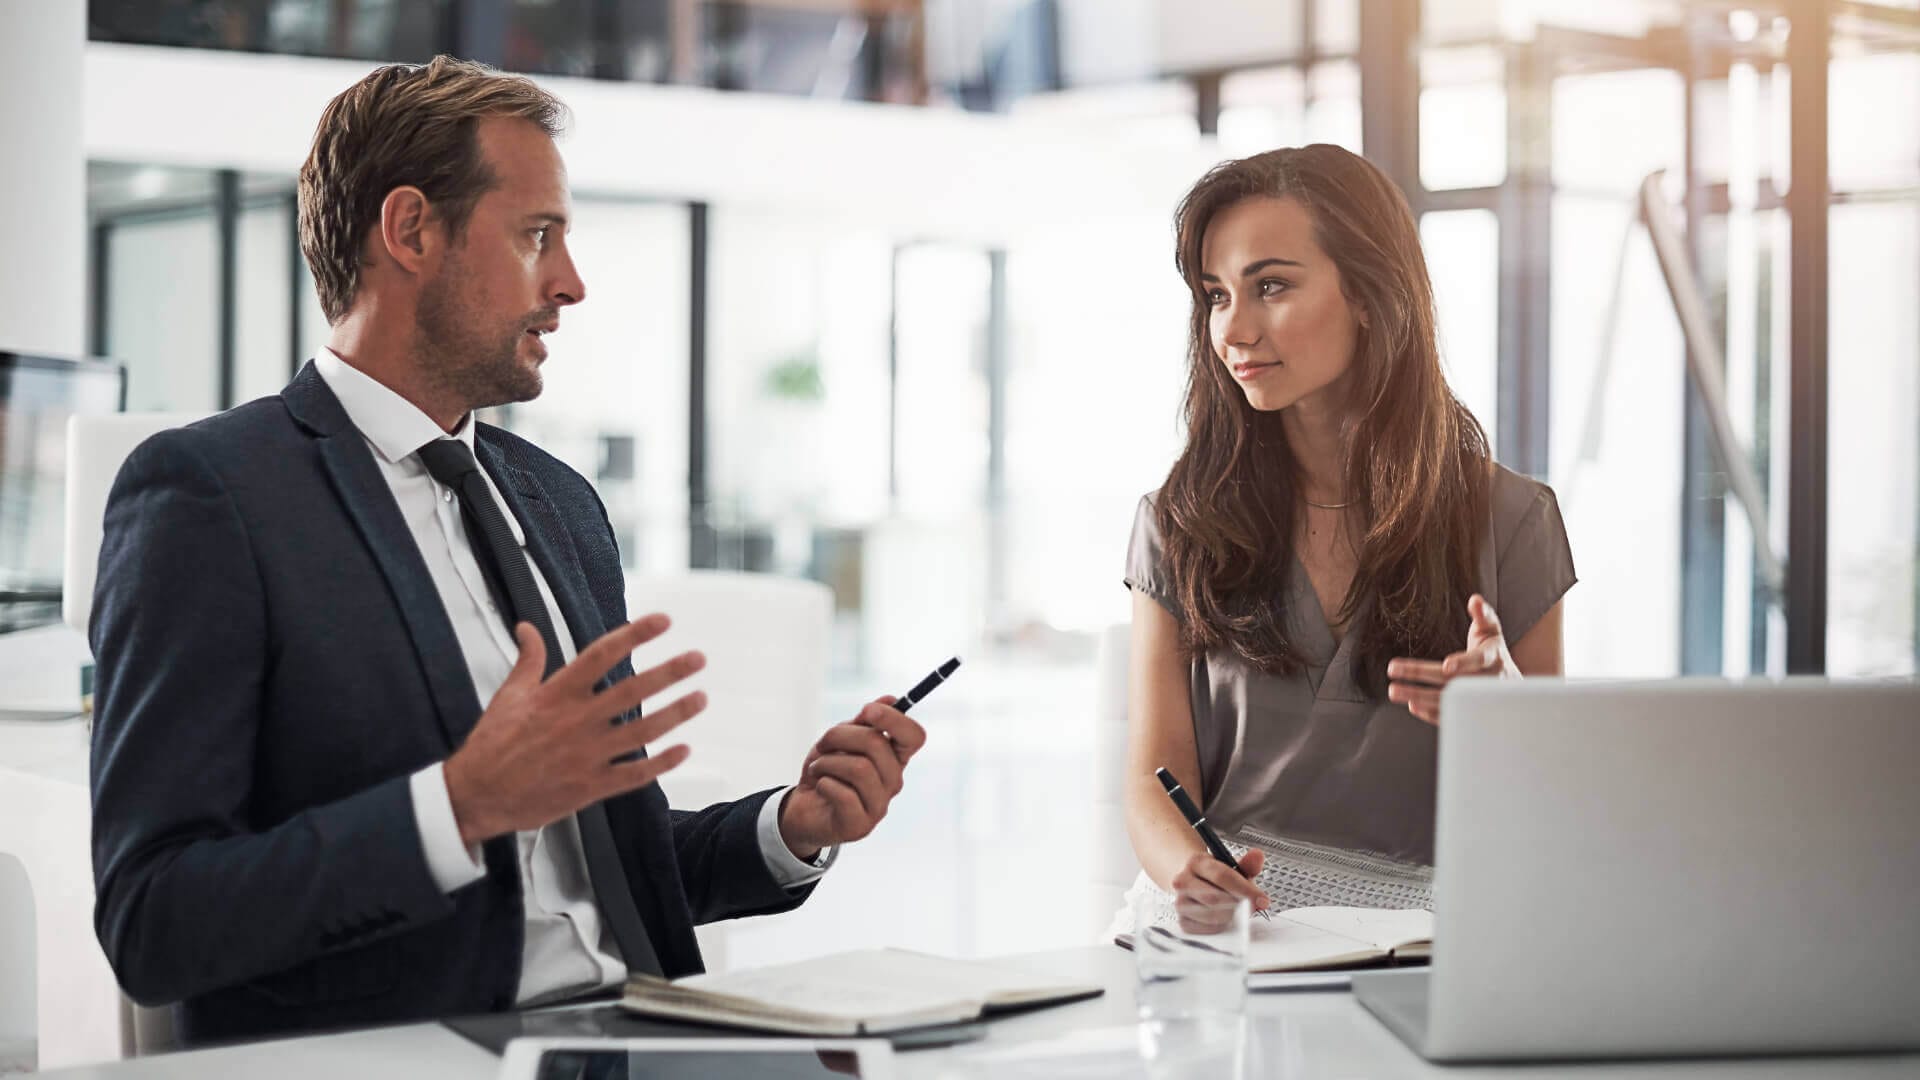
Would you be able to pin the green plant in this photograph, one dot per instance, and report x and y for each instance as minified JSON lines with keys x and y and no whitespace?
{"x":796,"y":378}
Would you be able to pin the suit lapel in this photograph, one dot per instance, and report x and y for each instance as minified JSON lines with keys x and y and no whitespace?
{"x":369,"y":502}
{"x":548,"y":542}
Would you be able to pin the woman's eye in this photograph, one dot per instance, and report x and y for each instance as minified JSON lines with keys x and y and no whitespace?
{"x":1272,"y":287}
{"x":1216,"y":297}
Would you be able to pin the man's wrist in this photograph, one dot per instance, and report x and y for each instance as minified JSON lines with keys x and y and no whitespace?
{"x":466,"y":815}
{"x":452,"y":863}
{"x":801,"y":847}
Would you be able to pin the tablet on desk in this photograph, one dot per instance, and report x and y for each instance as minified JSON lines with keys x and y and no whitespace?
{"x":697,"y":1059}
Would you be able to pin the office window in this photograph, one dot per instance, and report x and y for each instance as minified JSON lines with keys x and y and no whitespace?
{"x":1333,"y":104}
{"x":797,"y":407}
{"x":163,"y":311}
{"x":1873,"y":447}
{"x":263,"y":297}
{"x":1262,"y":109}
{"x":1873,"y":141}
{"x":1463,"y":258}
{"x":1616,"y":428}
{"x":940,"y":393}
{"x":797,"y":368}
{"x":1463,"y":118}
{"x":1094,"y":390}
{"x":1336,"y":26}
{"x":1611,"y":129}
{"x":614,"y":405}
{"x":1745,"y":253}
{"x":410,"y":31}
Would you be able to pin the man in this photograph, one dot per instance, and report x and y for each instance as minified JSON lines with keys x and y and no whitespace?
{"x":304,"y":817}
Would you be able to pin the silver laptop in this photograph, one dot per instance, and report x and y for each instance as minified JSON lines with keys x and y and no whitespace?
{"x":1691,"y":867}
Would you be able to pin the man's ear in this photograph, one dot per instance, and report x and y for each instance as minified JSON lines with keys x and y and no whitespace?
{"x":409,"y":229}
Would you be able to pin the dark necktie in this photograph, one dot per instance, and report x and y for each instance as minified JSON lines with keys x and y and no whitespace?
{"x":507,"y":571}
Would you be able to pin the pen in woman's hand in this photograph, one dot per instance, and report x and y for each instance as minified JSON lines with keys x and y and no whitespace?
{"x":1199,"y":822}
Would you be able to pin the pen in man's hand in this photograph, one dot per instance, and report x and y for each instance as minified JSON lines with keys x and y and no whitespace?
{"x":925,"y":686}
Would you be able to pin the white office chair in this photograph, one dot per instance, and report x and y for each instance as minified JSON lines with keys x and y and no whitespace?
{"x":766,"y":639}
{"x":1114,"y":865}
{"x":96,"y":448}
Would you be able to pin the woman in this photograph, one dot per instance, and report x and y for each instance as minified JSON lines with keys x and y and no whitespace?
{"x":1329,"y":549}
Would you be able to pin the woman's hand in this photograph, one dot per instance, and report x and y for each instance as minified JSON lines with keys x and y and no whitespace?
{"x":1205,"y":889}
{"x":1417,"y":683}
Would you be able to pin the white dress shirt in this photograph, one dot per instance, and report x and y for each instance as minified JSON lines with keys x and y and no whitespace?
{"x":569,"y":949}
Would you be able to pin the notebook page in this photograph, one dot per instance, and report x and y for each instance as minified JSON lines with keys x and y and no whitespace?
{"x":994,"y":983}
{"x":1280,"y":944}
{"x":1385,"y":929}
{"x":851,"y":986}
{"x":902,"y":970}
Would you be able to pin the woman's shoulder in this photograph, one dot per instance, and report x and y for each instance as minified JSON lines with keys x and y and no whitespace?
{"x":1146,"y":524}
{"x":1532,"y":562}
{"x":1518,"y":500}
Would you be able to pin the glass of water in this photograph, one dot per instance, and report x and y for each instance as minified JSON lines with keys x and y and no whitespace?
{"x":1191,"y":959}
{"x":1191,"y":990}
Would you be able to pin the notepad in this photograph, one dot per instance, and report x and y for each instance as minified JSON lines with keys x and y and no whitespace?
{"x":1318,"y":938}
{"x":1307,"y":939}
{"x":850,"y":994}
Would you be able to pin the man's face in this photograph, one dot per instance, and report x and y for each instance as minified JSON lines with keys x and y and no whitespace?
{"x":499,"y":287}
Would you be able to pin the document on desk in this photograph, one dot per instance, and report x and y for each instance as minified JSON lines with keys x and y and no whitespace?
{"x":1306,"y":939}
{"x":1319,"y":938}
{"x":850,"y":994}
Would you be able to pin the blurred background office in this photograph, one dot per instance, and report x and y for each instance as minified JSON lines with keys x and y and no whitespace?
{"x":882,"y":295}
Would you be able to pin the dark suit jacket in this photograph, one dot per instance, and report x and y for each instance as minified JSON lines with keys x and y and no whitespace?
{"x":273,"y":664}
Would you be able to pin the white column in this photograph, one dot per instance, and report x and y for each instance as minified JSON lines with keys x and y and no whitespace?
{"x":43,"y":301}
{"x":43,"y":186}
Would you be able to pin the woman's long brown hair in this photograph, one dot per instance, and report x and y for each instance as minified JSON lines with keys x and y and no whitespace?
{"x":1417,"y":466}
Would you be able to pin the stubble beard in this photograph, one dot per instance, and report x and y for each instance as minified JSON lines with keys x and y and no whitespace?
{"x":476,"y":369}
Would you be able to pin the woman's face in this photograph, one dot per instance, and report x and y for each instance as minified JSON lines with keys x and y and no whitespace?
{"x":1278,"y":319}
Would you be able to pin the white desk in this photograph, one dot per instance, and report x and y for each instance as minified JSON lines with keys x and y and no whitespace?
{"x":1296,"y":1036}
{"x":45,"y":823}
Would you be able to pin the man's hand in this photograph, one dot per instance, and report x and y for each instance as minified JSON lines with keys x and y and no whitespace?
{"x":1417,"y":683}
{"x":849,"y":778}
{"x":544,"y":750}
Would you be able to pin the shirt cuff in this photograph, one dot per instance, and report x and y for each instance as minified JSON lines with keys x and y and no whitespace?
{"x":451,"y":863}
{"x":789,"y":870}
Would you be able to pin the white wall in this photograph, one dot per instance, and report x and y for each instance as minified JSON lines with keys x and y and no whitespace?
{"x":43,"y":282}
{"x":929,"y":172}
{"x":43,"y":279}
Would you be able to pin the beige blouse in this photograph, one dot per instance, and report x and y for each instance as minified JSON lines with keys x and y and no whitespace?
{"x":1309,"y":755}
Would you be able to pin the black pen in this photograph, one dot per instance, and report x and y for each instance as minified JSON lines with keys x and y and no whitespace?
{"x":1199,"y":822}
{"x":925,"y":686}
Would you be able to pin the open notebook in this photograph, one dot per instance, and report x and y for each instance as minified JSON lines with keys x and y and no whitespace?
{"x":1332,"y":907}
{"x":1316,"y":938}
{"x":1303,"y":939}
{"x":850,"y":994}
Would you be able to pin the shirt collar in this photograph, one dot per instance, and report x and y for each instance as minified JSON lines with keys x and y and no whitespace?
{"x":394,"y":426}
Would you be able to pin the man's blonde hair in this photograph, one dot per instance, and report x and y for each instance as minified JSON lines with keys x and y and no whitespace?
{"x":404,"y":124}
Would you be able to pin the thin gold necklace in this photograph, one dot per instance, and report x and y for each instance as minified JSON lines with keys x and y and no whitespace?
{"x":1325,"y":506}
